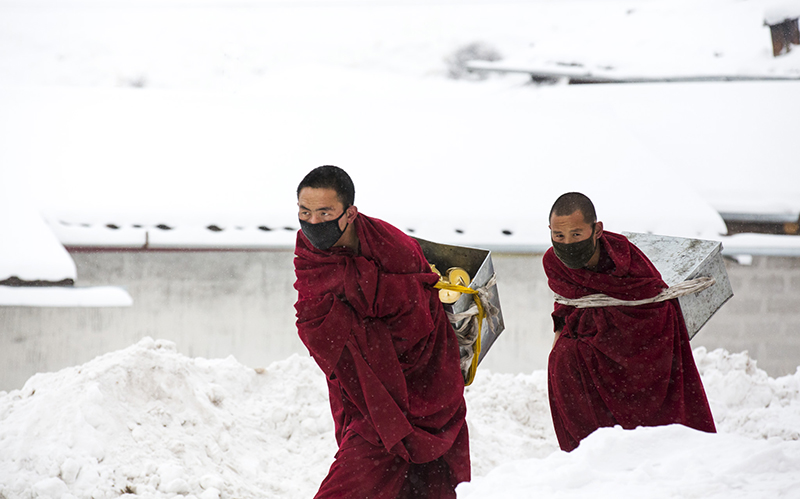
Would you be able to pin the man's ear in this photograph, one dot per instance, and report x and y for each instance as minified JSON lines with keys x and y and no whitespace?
{"x":352,"y":211}
{"x":598,"y":229}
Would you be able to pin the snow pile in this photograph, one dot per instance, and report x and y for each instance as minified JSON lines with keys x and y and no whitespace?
{"x":662,"y":462}
{"x":150,"y":422}
{"x":745,"y":400}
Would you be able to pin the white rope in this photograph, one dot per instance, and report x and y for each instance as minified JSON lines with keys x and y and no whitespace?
{"x":601,"y":300}
{"x":489,"y":310}
{"x":468,"y":313}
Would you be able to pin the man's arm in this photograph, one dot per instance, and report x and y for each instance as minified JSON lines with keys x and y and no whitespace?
{"x":374,"y":293}
{"x":324,"y":324}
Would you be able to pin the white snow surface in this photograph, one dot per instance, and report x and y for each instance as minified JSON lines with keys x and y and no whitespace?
{"x":665,"y":39}
{"x":28,"y":248}
{"x":164,"y":118}
{"x":63,"y":296}
{"x":777,"y":11}
{"x":147,"y":421}
{"x":137,"y":113}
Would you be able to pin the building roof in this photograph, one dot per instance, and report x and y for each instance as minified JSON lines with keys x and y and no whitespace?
{"x":472,"y":165}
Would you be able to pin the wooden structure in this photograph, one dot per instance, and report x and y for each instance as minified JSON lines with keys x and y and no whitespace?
{"x":784,"y":35}
{"x":756,"y":223}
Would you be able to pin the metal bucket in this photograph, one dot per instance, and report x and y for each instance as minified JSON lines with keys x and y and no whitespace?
{"x":680,"y":259}
{"x":478,"y":264}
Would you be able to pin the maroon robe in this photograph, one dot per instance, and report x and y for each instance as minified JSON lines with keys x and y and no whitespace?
{"x":375,"y":326}
{"x":627,"y":366}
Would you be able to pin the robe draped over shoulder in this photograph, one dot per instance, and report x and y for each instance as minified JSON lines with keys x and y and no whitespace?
{"x":375,"y":326}
{"x":628,"y":366}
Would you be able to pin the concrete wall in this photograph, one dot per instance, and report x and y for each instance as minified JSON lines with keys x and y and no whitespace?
{"x":215,"y":304}
{"x":763,"y":317}
{"x":211,"y":304}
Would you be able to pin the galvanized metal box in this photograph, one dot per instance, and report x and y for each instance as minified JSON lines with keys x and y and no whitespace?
{"x":478,"y":264}
{"x":680,"y":259}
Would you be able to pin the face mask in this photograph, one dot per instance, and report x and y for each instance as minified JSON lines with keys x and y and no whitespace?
{"x":576,"y":255}
{"x":323,"y":235}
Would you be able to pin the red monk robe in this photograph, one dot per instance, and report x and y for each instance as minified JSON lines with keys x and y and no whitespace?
{"x":376,"y":328}
{"x":628,"y":366}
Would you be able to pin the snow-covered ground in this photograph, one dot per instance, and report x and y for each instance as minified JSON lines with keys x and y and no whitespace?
{"x":185,"y":114}
{"x":150,"y":422}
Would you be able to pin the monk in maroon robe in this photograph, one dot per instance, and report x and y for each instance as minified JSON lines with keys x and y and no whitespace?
{"x":371,"y":319}
{"x":622,"y":365}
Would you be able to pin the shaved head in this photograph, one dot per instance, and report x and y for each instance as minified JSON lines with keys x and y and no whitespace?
{"x":569,"y":203}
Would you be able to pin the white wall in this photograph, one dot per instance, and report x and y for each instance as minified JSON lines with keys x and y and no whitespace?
{"x":215,"y":304}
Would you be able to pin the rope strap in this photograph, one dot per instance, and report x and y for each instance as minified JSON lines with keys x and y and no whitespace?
{"x":601,"y":300}
{"x":469,"y":333}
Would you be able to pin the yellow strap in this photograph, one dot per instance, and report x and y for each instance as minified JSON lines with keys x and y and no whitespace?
{"x":476,"y":349}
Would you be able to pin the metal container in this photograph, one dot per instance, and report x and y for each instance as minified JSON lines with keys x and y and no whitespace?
{"x":680,"y":259}
{"x":478,"y":264}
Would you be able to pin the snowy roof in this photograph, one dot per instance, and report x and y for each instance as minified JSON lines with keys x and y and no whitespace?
{"x":222,"y":139}
{"x":29,"y":251}
{"x":446,"y":161}
{"x":777,"y":11}
{"x":645,"y":41}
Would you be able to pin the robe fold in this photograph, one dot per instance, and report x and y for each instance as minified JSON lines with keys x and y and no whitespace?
{"x":627,"y":366}
{"x":375,"y":326}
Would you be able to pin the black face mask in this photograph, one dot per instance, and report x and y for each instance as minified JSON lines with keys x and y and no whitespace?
{"x":323,"y":235}
{"x":576,"y":255}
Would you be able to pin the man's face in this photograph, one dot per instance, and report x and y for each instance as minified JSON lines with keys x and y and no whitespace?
{"x":320,"y":205}
{"x":570,"y":228}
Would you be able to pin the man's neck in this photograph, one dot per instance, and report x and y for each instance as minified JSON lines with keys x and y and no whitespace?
{"x":350,"y":238}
